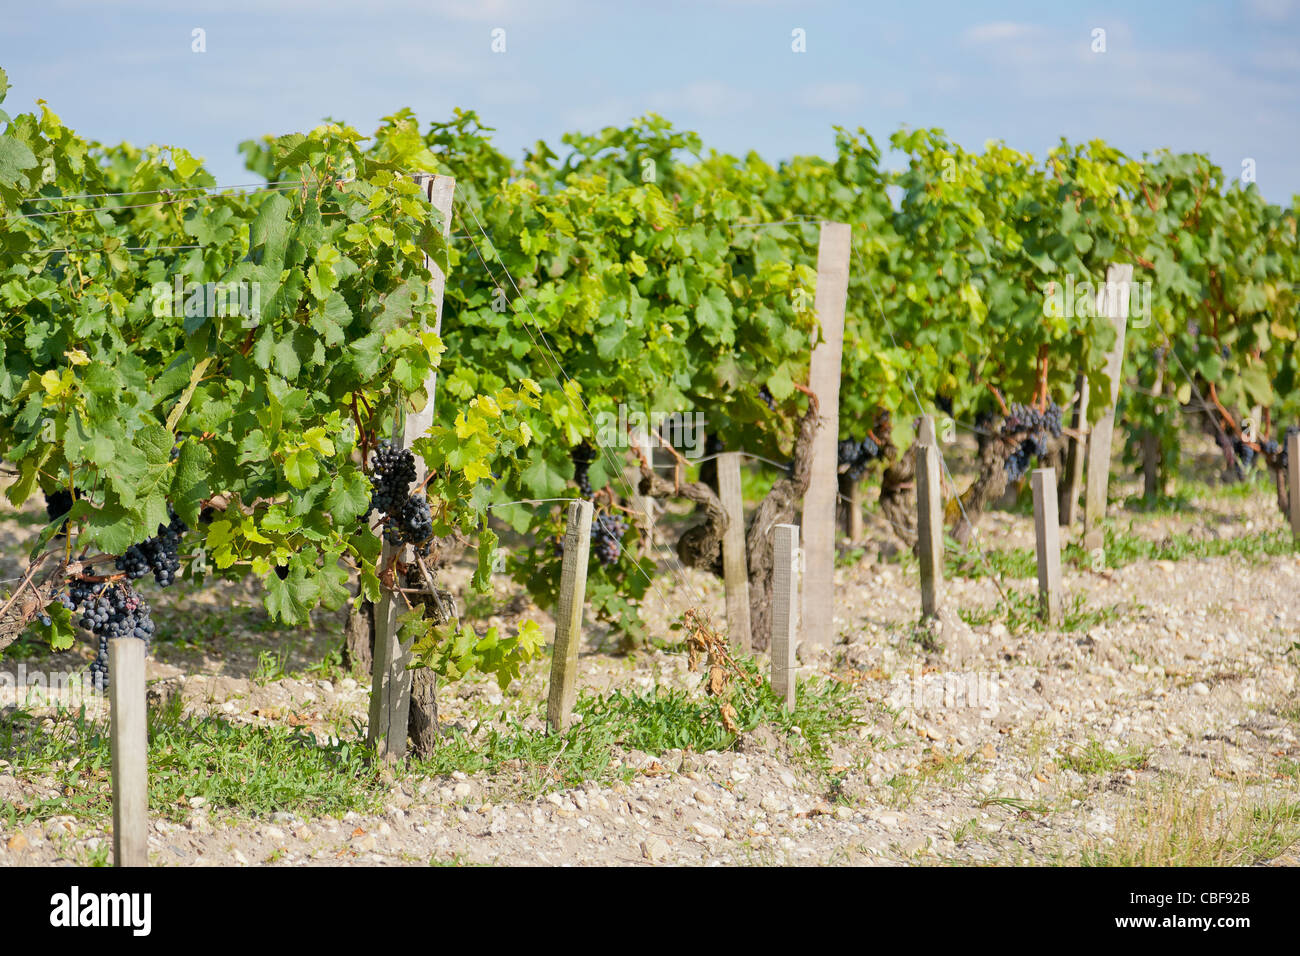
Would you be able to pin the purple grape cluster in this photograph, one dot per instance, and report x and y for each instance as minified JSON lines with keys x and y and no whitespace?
{"x":407,"y":517}
{"x":765,"y":396}
{"x":607,"y":537}
{"x":583,"y":455}
{"x":607,"y":533}
{"x":855,"y":454}
{"x":1034,"y":427}
{"x":392,"y":469}
{"x":413,"y":525}
{"x":159,"y":554}
{"x":108,"y":611}
{"x":58,"y":503}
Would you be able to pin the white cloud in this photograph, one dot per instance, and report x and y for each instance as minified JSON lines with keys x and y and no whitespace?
{"x":705,"y":98}
{"x":998,"y":32}
{"x":832,"y":96}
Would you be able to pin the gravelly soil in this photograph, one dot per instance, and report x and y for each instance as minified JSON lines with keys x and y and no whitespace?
{"x":1185,"y":684}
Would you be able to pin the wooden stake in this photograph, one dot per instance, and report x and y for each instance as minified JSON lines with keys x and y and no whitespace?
{"x":390,"y":695}
{"x":1112,"y":301}
{"x":926,"y":435}
{"x":1293,"y":482}
{"x":856,"y":530}
{"x":643,"y":505}
{"x":733,"y":551}
{"x":819,"y":505}
{"x":929,"y":528}
{"x":568,"y":616}
{"x":129,"y":746}
{"x":785,"y":610}
{"x":1047,"y":537}
{"x":1077,"y":451}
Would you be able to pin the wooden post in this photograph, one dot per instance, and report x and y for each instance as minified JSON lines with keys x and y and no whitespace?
{"x":856,"y":531}
{"x":390,"y":695}
{"x":929,"y":528}
{"x":1151,"y":447}
{"x":1113,"y":301}
{"x":1293,"y":482}
{"x":568,"y":616}
{"x":1047,"y":537}
{"x":818,"y":522}
{"x":733,"y":551}
{"x":129,"y":746}
{"x":926,"y":434}
{"x":1150,"y":466}
{"x":785,"y":610}
{"x":1077,"y":450}
{"x":643,"y":505}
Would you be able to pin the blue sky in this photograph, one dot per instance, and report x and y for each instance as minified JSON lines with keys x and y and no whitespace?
{"x":1219,"y":77}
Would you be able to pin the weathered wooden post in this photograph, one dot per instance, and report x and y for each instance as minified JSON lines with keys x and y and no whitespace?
{"x":568,"y":616}
{"x":129,"y":749}
{"x":929,"y":528}
{"x":1113,"y":301}
{"x":818,"y":523}
{"x":735,"y":572}
{"x":1293,"y":482}
{"x":785,"y":610}
{"x":390,"y":695}
{"x":1047,"y":539}
{"x":1075,"y":455}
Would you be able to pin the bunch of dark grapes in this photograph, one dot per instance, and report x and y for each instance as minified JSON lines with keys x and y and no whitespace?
{"x":1291,"y":430}
{"x":765,"y":396}
{"x":855,"y":455}
{"x":607,"y":537}
{"x":58,"y":503}
{"x":407,"y":518}
{"x":1275,"y":452}
{"x":607,"y":532}
{"x":108,"y":611}
{"x":944,"y":402}
{"x":413,"y":525}
{"x":159,"y":554}
{"x":1033,"y":428}
{"x":583,"y":455}
{"x":392,"y":470}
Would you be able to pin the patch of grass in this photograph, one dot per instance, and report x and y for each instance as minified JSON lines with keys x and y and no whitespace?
{"x":270,"y":667}
{"x":252,"y":769}
{"x":1018,"y":804}
{"x":1013,"y":563}
{"x":847,"y":557}
{"x":1094,"y":758}
{"x":1174,"y":826}
{"x":1161,"y":505}
{"x":653,"y":721}
{"x":965,"y":831}
{"x":1020,"y":613}
{"x":1288,"y":768}
{"x":1121,"y":548}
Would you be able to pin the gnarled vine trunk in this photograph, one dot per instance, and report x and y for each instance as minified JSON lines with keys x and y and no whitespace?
{"x":700,"y":546}
{"x":359,"y":647}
